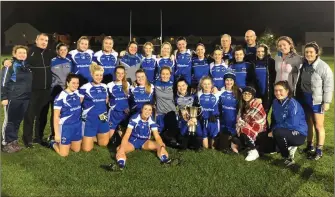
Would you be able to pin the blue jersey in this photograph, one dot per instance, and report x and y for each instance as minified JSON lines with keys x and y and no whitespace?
{"x":95,"y":97}
{"x":141,"y":129}
{"x":261,"y":75}
{"x":209,"y":103}
{"x":149,"y":67}
{"x":138,"y":97}
{"x":69,"y":106}
{"x":240,"y":70}
{"x":217,"y":72}
{"x":81,"y":62}
{"x":184,"y":65}
{"x":289,"y":115}
{"x":229,"y":105}
{"x":60,"y":68}
{"x":118,"y":100}
{"x":200,"y":68}
{"x":107,"y":61}
{"x":164,"y":62}
{"x":131,"y":63}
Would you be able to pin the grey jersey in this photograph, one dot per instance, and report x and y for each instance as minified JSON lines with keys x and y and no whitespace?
{"x":164,"y":97}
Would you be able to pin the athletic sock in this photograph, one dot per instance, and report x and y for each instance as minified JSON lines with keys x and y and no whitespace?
{"x":164,"y":158}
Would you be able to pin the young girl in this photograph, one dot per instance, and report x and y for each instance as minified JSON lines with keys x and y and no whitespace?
{"x":118,"y":91}
{"x":229,"y":101}
{"x":209,"y":103}
{"x":184,"y":99}
{"x":107,"y":58}
{"x":95,"y":110}
{"x":200,"y":65}
{"x":15,"y":95}
{"x":149,"y":62}
{"x":67,"y":123}
{"x":141,"y":92}
{"x":165,"y":60}
{"x":251,"y":120}
{"x":217,"y":69}
{"x":138,"y":135}
{"x":289,"y":128}
{"x":82,"y":58}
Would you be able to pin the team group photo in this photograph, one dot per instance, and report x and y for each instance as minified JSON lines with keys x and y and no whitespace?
{"x":151,"y":116}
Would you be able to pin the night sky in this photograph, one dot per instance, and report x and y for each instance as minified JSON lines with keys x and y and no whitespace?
{"x":179,"y":18}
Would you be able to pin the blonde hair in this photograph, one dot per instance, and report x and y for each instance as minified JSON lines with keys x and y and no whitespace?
{"x":289,"y":41}
{"x":106,"y":38}
{"x":17,"y":47}
{"x":150,"y":44}
{"x":83,"y":38}
{"x":166,"y":43}
{"x":94,"y":67}
{"x":202,"y":80}
{"x":147,"y":83}
{"x":124,"y":80}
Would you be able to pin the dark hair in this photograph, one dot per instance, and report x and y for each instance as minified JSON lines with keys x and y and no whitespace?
{"x":315,"y":46}
{"x":61,"y":45}
{"x":239,"y":48}
{"x":181,"y":38}
{"x":147,"y":104}
{"x":286,"y":86}
{"x":69,"y":77}
{"x":165,"y":68}
{"x":244,"y":106}
{"x":200,"y":44}
{"x":130,"y":43}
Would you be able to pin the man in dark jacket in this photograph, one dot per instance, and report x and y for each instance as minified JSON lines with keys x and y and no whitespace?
{"x":39,"y":57}
{"x":250,"y":47}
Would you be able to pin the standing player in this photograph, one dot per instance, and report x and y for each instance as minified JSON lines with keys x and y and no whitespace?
{"x":141,"y":92}
{"x":82,"y":58}
{"x":183,"y":58}
{"x":67,"y":123}
{"x":149,"y":62}
{"x":131,"y":60}
{"x":200,"y":65}
{"x":95,"y":110}
{"x":244,"y":71}
{"x":209,"y":103}
{"x":107,"y":58}
{"x":217,"y":69}
{"x":165,"y":60}
{"x":118,"y":91}
{"x":137,"y":136}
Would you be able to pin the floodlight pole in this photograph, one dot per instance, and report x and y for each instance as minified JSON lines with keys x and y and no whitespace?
{"x":161,"y":26}
{"x":130,"y":16}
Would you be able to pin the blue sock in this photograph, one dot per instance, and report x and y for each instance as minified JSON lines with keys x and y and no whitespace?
{"x":52,"y":142}
{"x":318,"y":151}
{"x":164,"y":158}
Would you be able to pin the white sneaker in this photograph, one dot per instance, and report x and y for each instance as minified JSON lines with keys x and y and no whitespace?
{"x":292,"y":150}
{"x":252,"y":155}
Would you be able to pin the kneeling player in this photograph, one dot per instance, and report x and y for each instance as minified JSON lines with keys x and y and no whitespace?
{"x":137,"y":136}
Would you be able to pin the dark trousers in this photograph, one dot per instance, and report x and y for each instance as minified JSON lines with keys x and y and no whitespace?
{"x":285,"y":138}
{"x":14,"y":113}
{"x":54,"y":93}
{"x":244,"y":142}
{"x":37,"y":111}
{"x":224,"y":140}
{"x":190,"y":141}
{"x":171,"y":129}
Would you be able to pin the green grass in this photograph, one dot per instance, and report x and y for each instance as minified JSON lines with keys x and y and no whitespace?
{"x":41,"y":172}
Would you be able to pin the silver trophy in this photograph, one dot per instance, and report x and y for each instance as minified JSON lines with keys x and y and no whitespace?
{"x":193,"y":113}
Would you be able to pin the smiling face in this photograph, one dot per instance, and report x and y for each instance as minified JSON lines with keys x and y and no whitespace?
{"x":250,"y":38}
{"x":132,"y":49}
{"x":62,"y":52}
{"x":141,"y":78}
{"x":229,"y":83}
{"x":146,"y":112}
{"x":260,"y":52}
{"x":83,"y":45}
{"x":166,"y":50}
{"x":280,"y":92}
{"x":182,"y":87}
{"x":284,"y":47}
{"x":20,"y":54}
{"x":239,"y":56}
{"x":247,"y":96}
{"x":181,"y":45}
{"x":218,"y":56}
{"x":148,"y":50}
{"x":108,"y":45}
{"x":200,"y":51}
{"x":310,"y":54}
{"x":165,"y":75}
{"x":97,"y":76}
{"x":207,"y":85}
{"x":119,"y":73}
{"x":73,"y":84}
